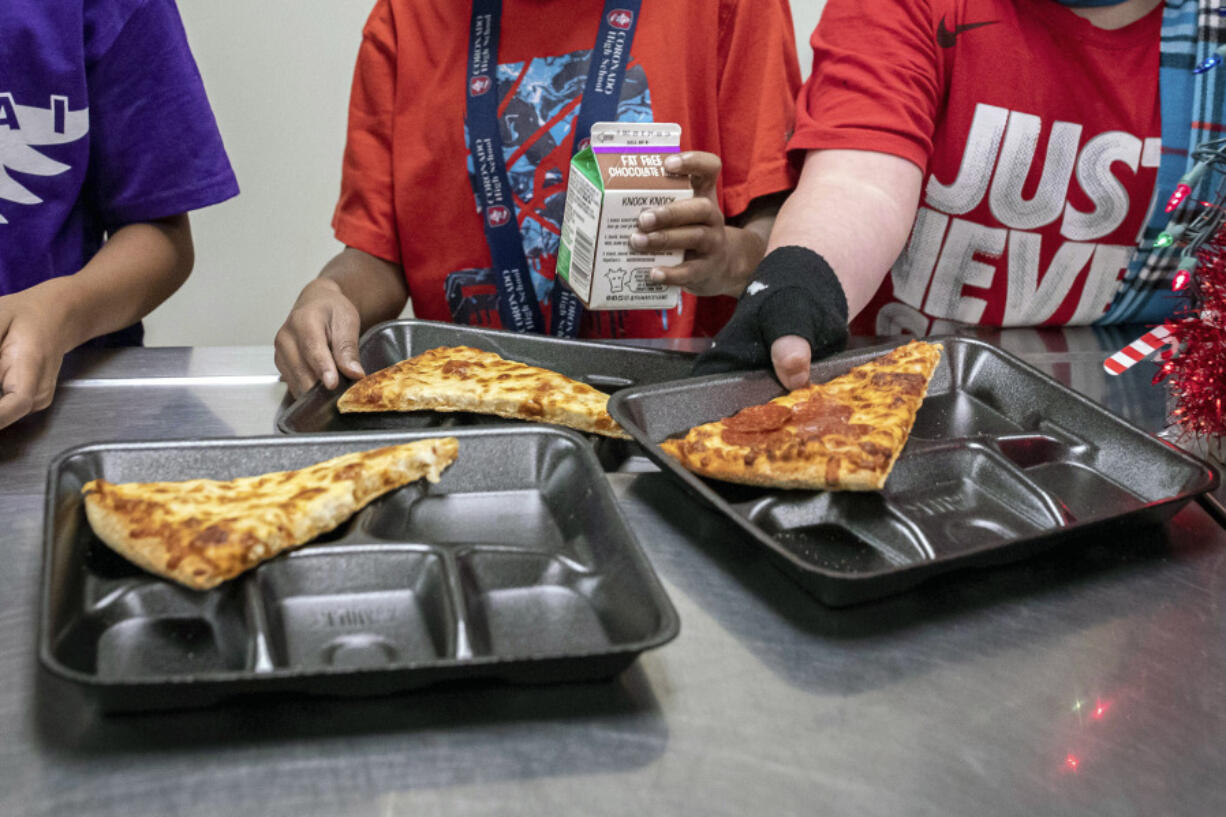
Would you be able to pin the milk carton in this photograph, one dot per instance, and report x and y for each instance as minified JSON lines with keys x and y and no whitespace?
{"x":619,"y":175}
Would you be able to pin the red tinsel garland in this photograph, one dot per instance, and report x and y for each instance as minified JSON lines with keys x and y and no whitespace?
{"x":1195,"y":362}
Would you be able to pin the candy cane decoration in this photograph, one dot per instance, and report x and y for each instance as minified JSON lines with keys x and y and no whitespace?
{"x":1138,"y":350}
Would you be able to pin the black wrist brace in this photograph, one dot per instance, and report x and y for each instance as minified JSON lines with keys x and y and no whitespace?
{"x":793,"y":292}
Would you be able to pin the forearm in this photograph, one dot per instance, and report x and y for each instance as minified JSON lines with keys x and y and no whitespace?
{"x":747,"y":240}
{"x":375,"y":287}
{"x":138,"y":267}
{"x":855,"y":209}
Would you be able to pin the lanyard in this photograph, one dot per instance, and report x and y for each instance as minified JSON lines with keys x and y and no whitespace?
{"x":518,"y":307}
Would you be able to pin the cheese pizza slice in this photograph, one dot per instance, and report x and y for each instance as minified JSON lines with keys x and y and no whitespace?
{"x":842,"y":435}
{"x":461,"y":378}
{"x":202,"y":532}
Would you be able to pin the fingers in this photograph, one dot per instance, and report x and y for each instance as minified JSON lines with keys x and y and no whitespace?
{"x":320,"y":332}
{"x":703,"y":169}
{"x":790,"y":356}
{"x":700,"y":240}
{"x":293,"y":371}
{"x":302,"y":354}
{"x":694,"y":275}
{"x":45,"y":390}
{"x":696,"y":211}
{"x":19,"y":379}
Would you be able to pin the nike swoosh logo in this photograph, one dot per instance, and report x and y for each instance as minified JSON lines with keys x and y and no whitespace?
{"x":947,"y":38}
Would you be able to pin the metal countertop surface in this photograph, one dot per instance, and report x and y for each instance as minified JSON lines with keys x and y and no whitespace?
{"x":1087,"y":681}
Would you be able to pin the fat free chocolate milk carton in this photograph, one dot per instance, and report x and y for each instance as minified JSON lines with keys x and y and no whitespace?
{"x":619,"y":175}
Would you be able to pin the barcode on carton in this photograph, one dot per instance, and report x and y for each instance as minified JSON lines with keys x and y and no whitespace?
{"x":580,"y":222}
{"x":581,"y":261}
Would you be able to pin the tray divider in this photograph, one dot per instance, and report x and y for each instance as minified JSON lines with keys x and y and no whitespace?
{"x":922,"y":543}
{"x":1049,"y":501}
{"x":461,"y":646}
{"x":259,"y":653}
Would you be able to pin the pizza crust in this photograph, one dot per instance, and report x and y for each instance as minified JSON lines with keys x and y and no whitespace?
{"x":202,"y":532}
{"x":461,"y":378}
{"x":879,"y":401}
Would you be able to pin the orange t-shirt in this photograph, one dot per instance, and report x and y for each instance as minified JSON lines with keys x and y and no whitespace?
{"x":725,"y":71}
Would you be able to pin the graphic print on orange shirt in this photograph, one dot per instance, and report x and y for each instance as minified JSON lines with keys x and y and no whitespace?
{"x":538,"y":101}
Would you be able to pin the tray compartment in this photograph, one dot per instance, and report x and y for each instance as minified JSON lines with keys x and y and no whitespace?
{"x":1032,"y":450}
{"x":537,"y":500}
{"x":601,"y":364}
{"x":965,"y":497}
{"x":382,"y":604}
{"x":1002,"y":462}
{"x":1125,"y":458}
{"x":520,"y":519}
{"x":841,"y":532}
{"x":147,"y":628}
{"x":161,"y":647}
{"x":357,"y":606}
{"x":950,"y":415}
{"x":1082,"y":491}
{"x":520,"y":604}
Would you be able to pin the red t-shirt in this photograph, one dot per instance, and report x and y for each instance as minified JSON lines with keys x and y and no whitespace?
{"x":726,"y":71}
{"x":1039,"y":138}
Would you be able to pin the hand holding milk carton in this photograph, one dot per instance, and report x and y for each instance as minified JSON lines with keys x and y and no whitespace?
{"x":619,"y":175}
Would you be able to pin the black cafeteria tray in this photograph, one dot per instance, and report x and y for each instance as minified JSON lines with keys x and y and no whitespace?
{"x":607,"y":366}
{"x":1002,"y":461}
{"x":517,"y":565}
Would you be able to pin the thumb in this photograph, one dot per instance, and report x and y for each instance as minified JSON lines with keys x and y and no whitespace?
{"x":347,"y":359}
{"x":344,"y":327}
{"x":790,"y":355}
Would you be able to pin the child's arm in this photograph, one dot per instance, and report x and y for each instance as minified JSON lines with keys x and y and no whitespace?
{"x":140,"y":266}
{"x":355,"y":291}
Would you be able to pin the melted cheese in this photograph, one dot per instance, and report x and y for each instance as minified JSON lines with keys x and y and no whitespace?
{"x":201,"y":532}
{"x":461,"y":378}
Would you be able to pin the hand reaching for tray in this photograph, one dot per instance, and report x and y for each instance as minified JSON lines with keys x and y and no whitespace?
{"x":793,"y":312}
{"x":319,"y":339}
{"x":718,"y":258}
{"x":32,"y":348}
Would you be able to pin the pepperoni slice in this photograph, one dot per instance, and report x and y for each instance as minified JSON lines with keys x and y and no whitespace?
{"x":820,"y":408}
{"x":821,"y":426}
{"x":759,"y":418}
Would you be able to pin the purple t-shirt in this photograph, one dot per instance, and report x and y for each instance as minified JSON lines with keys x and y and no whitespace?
{"x":103,"y":122}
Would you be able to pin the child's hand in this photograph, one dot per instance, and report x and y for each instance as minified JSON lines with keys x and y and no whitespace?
{"x":320,"y":335}
{"x":696,"y":226}
{"x":33,"y":341}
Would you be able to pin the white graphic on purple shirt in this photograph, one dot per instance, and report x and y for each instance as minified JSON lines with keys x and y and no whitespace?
{"x":24,"y":128}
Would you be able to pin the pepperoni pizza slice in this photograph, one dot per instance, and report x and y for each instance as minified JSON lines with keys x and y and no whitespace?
{"x":842,"y":435}
{"x":461,"y":378}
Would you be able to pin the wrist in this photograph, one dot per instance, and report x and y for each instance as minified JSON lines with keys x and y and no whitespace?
{"x":321,"y":286}
{"x":803,"y":279}
{"x":746,"y":250}
{"x":58,"y":306}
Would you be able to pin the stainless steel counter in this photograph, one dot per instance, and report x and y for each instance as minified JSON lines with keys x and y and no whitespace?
{"x":1090,"y":681}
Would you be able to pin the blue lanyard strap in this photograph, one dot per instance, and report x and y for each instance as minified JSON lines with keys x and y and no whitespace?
{"x":517,"y":304}
{"x":518,"y":308}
